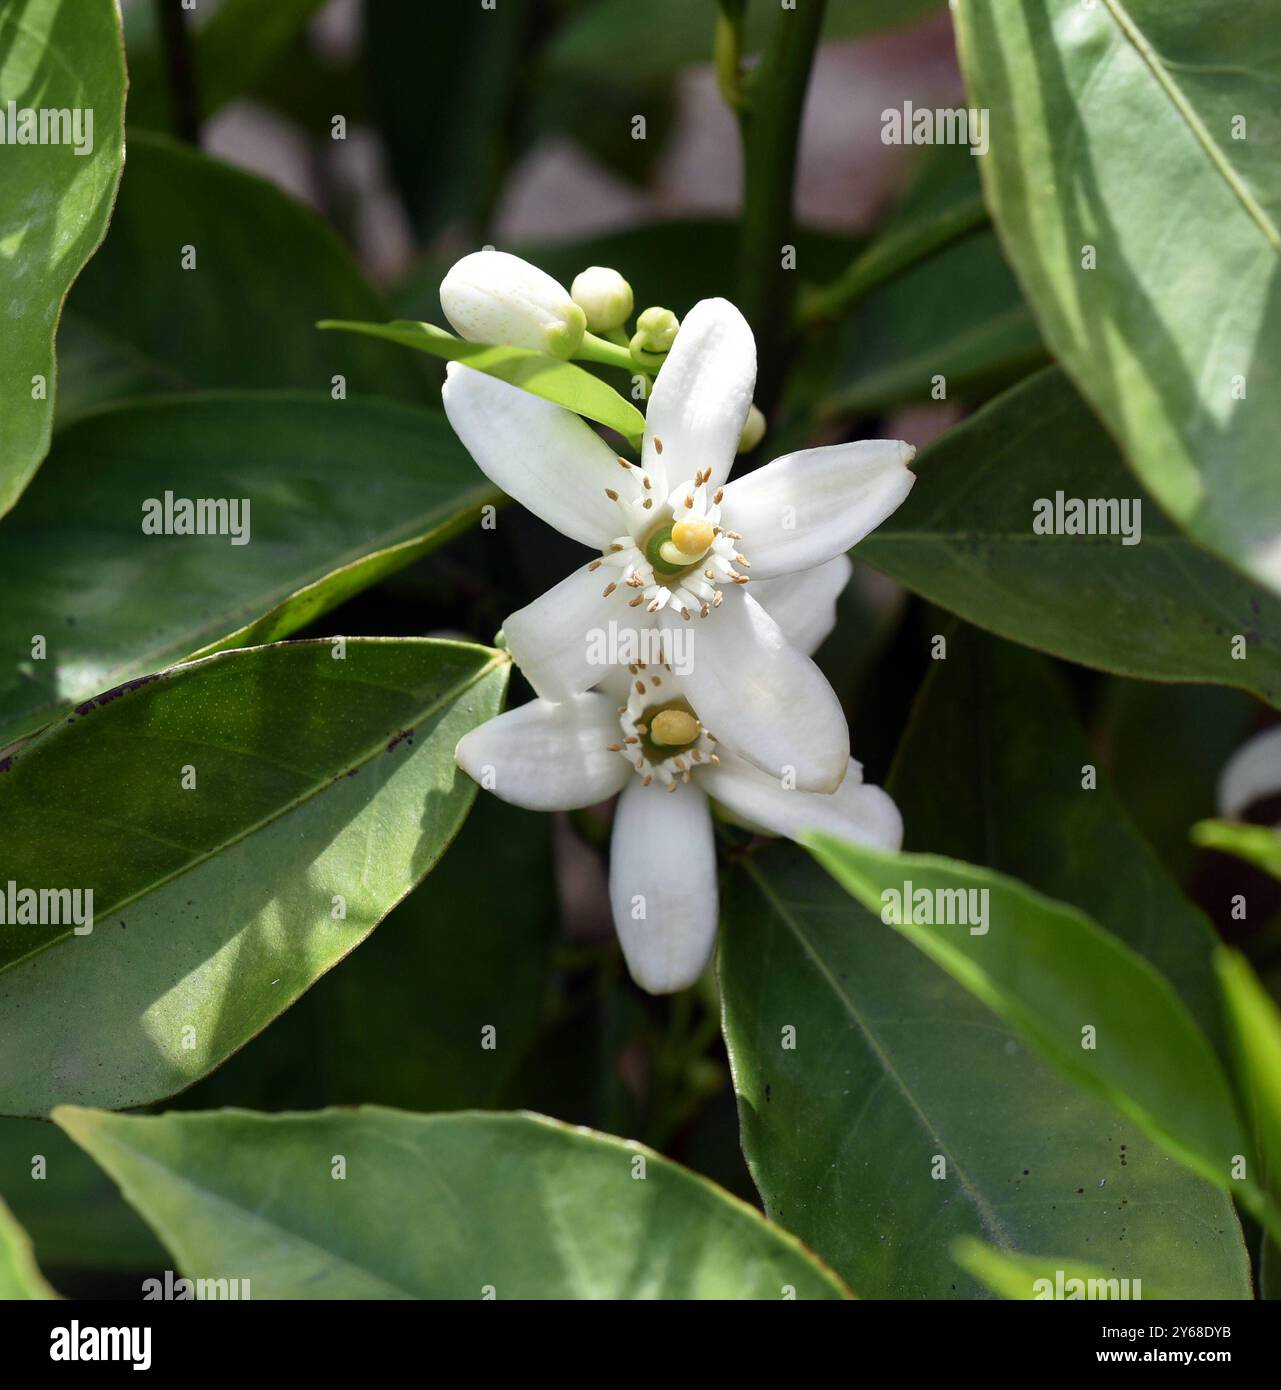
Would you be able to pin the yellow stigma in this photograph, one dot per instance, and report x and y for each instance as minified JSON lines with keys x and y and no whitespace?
{"x":690,"y":541}
{"x":673,"y":727}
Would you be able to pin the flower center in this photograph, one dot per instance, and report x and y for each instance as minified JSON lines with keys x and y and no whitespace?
{"x":662,"y":736}
{"x":679,"y":560}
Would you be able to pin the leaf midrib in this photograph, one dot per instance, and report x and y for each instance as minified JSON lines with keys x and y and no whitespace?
{"x":1187,"y":113}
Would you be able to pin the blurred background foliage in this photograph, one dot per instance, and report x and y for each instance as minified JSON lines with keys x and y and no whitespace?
{"x":513,"y":127}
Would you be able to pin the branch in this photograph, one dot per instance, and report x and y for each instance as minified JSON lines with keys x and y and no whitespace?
{"x":772,"y":101}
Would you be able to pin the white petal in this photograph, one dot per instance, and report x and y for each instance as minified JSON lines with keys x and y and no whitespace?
{"x":494,"y":297}
{"x":548,"y":757}
{"x":854,"y":811}
{"x":804,"y":604}
{"x":1252,"y":773}
{"x":547,"y":458}
{"x":662,"y":864}
{"x":701,"y":398}
{"x":806,"y":507}
{"x":762,"y":698}
{"x":561,"y":641}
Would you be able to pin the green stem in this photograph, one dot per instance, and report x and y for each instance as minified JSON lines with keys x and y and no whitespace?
{"x":594,"y":349}
{"x":890,"y":256}
{"x":773,"y":98}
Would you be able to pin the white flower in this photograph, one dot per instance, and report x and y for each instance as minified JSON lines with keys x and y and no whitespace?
{"x":641,"y":734}
{"x":492,"y":297}
{"x":604,"y":296}
{"x":676,"y":540}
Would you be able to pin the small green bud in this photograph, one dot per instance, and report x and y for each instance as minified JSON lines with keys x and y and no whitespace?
{"x":604,"y":296}
{"x":656,"y":330}
{"x":753,"y":431}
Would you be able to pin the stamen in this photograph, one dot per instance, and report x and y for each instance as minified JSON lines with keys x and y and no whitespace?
{"x":658,"y":445}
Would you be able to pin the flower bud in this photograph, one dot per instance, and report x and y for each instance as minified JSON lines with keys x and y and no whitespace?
{"x":493,"y":297}
{"x":753,"y":431}
{"x":656,"y":330}
{"x":604,"y":296}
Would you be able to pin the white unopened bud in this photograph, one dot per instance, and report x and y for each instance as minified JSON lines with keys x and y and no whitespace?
{"x":753,"y":431}
{"x":493,"y":297}
{"x":604,"y":296}
{"x":656,"y":330}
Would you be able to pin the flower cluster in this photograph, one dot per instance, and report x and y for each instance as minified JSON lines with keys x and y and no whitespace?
{"x":722,"y":590}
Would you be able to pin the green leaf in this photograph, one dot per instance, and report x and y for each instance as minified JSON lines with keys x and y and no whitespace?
{"x":894,"y":1064}
{"x":1256,"y":844}
{"x":1255,"y":1026}
{"x":404,"y":1021}
{"x":67,"y":56}
{"x":443,"y":1206}
{"x":341,"y":495}
{"x":1018,"y":1276}
{"x":74,"y":1214}
{"x":1148,"y":131}
{"x":20,"y":1276}
{"x":562,"y":383}
{"x":1160,"y":609}
{"x":266,"y":268}
{"x":1052,"y":973}
{"x":324,"y":790}
{"x":991,"y":770}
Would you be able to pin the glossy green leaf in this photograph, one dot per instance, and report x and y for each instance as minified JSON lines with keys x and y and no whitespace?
{"x":1097,"y":1011}
{"x":320,"y":789}
{"x":212,"y":277}
{"x":1256,"y":844}
{"x":62,"y":56}
{"x":994,"y":769}
{"x":405,"y":1019}
{"x":1042,"y":1277}
{"x":1160,"y":609}
{"x":464,"y":1206}
{"x":1132,"y":178}
{"x":20,"y":1276}
{"x":896,"y":1064}
{"x":562,"y":383}
{"x":341,"y":495}
{"x":1254,"y":1023}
